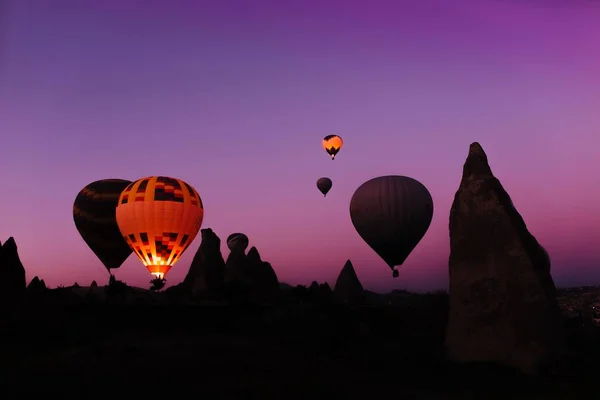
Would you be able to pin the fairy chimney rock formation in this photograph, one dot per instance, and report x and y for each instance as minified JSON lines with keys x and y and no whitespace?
{"x":260,"y":276}
{"x":36,"y":287}
{"x":348,"y":288}
{"x":235,"y":266}
{"x":503,"y":306}
{"x":205,"y":276}
{"x":34,"y":283}
{"x":14,"y":285}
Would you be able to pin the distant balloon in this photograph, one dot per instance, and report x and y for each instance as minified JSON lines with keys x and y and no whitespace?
{"x":237,"y":242}
{"x":392,"y":214}
{"x":332,"y":145}
{"x":324,"y":185}
{"x":159,"y":217}
{"x":94,"y":214}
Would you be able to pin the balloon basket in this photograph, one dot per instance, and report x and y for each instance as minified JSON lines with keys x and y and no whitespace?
{"x":157,"y":284}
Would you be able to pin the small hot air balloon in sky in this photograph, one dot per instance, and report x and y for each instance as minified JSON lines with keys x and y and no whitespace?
{"x":332,"y":145}
{"x":237,"y":242}
{"x":324,"y":185}
{"x":159,"y":217}
{"x":94,"y":214}
{"x":392,"y":214}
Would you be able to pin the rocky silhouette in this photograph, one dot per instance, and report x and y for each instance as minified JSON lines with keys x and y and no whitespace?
{"x":36,"y":288}
{"x":320,"y":293}
{"x":502,"y":302}
{"x":348,"y":288}
{"x":324,"y":288}
{"x":12,"y":293}
{"x":260,"y":278}
{"x":235,"y":266}
{"x":503,"y":306}
{"x":314,"y":287}
{"x":207,"y":270}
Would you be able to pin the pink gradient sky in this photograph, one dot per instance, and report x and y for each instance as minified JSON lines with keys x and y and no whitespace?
{"x":234,"y":97}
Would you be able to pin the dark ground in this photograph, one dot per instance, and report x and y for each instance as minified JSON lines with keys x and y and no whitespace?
{"x":292,"y":351}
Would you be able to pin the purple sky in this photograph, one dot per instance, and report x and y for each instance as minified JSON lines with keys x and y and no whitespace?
{"x":235,"y":96}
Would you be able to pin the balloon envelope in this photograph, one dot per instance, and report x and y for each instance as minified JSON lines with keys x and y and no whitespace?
{"x":94,"y":214}
{"x":324,"y":185}
{"x":237,"y":242}
{"x":159,"y":217}
{"x":391,"y":214}
{"x":332,"y":145}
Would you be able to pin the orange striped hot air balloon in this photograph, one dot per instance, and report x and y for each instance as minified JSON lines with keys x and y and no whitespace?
{"x":159,"y":217}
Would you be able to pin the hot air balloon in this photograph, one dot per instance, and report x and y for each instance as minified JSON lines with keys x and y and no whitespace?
{"x":94,"y":213}
{"x":324,"y":185}
{"x":237,"y":242}
{"x":332,"y":145}
{"x":391,"y":214}
{"x":159,"y":217}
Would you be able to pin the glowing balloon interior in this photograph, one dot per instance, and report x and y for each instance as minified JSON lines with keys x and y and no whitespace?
{"x":159,"y":217}
{"x":332,"y":145}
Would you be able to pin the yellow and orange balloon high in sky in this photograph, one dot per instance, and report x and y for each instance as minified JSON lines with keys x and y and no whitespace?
{"x":332,"y":145}
{"x":159,"y":217}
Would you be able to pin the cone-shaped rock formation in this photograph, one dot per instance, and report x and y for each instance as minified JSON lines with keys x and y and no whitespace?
{"x":12,"y":292}
{"x":503,"y":306}
{"x":205,"y":276}
{"x":348,"y":288}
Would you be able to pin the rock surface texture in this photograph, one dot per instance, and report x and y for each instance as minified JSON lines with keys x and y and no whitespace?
{"x":502,"y":305}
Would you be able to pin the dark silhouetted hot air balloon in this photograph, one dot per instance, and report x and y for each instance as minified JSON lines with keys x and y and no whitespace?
{"x":332,"y":145}
{"x":391,"y":214}
{"x":94,"y":213}
{"x":159,"y":217}
{"x":324,"y":185}
{"x":237,"y":242}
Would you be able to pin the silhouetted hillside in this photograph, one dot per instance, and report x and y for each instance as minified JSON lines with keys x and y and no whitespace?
{"x":80,"y":338}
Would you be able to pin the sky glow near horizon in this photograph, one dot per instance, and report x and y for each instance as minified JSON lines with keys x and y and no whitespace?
{"x":235,"y":96}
